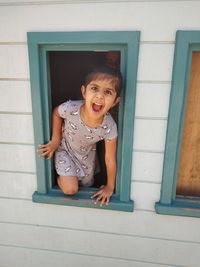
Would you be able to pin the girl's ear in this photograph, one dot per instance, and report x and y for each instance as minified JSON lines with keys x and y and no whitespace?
{"x":83,"y":89}
{"x":117,"y":100}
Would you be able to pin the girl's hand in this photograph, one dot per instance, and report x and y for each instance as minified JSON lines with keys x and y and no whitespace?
{"x":103,"y":195}
{"x":47,"y":149}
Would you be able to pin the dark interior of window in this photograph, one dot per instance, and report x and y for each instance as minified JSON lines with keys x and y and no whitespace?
{"x":67,"y":72}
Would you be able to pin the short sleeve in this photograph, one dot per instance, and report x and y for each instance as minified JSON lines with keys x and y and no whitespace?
{"x":111,"y":132}
{"x":63,"y":109}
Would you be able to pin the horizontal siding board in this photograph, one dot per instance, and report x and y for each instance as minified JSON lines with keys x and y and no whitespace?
{"x":49,"y":2}
{"x":14,"y":61}
{"x":25,"y":257}
{"x":16,"y":128}
{"x":109,"y":245}
{"x":22,"y":185}
{"x":145,"y":195}
{"x":151,"y":59}
{"x":149,"y":135}
{"x":15,"y":96}
{"x":147,"y":166}
{"x":161,"y":16}
{"x":17,"y":185}
{"x":18,"y":158}
{"x":152,"y":100}
{"x":139,"y":223}
{"x":136,"y":237}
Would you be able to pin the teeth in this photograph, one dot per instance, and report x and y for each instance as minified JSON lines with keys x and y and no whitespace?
{"x":97,"y":107}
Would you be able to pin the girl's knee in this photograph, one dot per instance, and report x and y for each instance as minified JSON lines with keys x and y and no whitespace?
{"x":70,"y":190}
{"x":68,"y":185}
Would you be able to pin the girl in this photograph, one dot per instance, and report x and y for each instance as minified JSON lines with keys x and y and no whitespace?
{"x":84,"y":123}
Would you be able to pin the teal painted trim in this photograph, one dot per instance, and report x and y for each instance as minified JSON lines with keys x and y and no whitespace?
{"x":81,"y":201}
{"x":40,"y":43}
{"x":186,"y":43}
{"x":182,"y":118}
{"x":83,"y":47}
{"x":174,"y":118}
{"x":81,"y":37}
{"x":129,"y":115}
{"x":38,"y":119}
{"x":120,"y":121}
{"x":178,"y":209}
{"x":47,"y":110}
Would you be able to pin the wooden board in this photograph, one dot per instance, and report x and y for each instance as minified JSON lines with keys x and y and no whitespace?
{"x":189,"y":167}
{"x":117,"y":247}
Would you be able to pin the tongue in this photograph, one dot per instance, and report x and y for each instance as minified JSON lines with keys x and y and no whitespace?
{"x":96,"y":108}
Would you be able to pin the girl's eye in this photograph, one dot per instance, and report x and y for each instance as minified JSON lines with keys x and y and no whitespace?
{"x":94,"y":88}
{"x":108,"y":92}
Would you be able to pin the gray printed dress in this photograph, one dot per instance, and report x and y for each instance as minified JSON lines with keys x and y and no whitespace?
{"x":76,"y":154}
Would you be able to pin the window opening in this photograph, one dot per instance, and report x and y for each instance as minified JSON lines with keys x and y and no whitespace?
{"x":67,"y":71}
{"x":180,"y":189}
{"x":188,"y":183}
{"x":54,"y":57}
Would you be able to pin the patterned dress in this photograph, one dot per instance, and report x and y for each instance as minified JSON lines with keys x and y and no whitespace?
{"x":76,"y":155}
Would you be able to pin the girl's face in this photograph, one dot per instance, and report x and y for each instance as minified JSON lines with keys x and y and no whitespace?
{"x":100,"y":96}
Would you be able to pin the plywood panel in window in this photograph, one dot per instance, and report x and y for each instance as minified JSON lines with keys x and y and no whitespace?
{"x":189,"y":166}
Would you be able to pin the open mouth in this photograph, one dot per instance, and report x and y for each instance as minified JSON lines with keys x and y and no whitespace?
{"x":97,"y":107}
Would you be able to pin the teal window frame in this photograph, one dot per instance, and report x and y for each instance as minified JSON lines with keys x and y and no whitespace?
{"x":39,"y":44}
{"x":187,"y":42}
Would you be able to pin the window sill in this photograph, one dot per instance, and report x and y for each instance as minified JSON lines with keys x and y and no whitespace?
{"x":183,"y":206}
{"x":82,"y":199}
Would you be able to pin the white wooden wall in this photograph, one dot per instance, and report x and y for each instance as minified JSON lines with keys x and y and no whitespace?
{"x":48,"y":235}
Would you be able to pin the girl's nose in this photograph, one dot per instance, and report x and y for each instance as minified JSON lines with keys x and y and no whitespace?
{"x":99,"y":94}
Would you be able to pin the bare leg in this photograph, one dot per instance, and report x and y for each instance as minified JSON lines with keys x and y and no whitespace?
{"x":68,"y":184}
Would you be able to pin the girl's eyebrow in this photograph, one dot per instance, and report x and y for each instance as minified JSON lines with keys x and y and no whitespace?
{"x":109,"y":88}
{"x":94,"y":84}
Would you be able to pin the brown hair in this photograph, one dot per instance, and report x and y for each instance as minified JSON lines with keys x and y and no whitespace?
{"x":105,"y":73}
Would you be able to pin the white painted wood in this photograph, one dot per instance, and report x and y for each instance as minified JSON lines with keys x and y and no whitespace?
{"x":155,"y":62}
{"x":152,"y":100}
{"x":15,"y":96}
{"x":16,"y":128}
{"x":150,"y":66}
{"x":101,"y":244}
{"x":145,"y":195}
{"x":31,"y":258}
{"x":17,"y":158}
{"x":147,"y":167}
{"x":49,"y":235}
{"x":149,"y":135}
{"x":17,"y":185}
{"x":157,"y":20}
{"x":139,"y":223}
{"x":23,"y":185}
{"x":14,"y":61}
{"x":49,"y":2}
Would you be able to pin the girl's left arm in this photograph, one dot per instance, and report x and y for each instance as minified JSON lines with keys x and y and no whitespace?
{"x":107,"y":190}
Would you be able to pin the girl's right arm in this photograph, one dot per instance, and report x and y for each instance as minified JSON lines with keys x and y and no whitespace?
{"x":49,"y":148}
